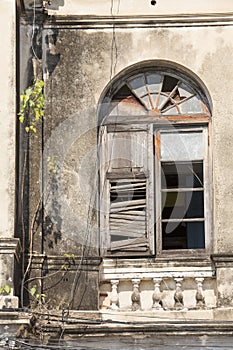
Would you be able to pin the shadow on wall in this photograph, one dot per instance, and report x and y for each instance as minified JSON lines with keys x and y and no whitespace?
{"x":52,"y":220}
{"x":54,"y":4}
{"x":50,"y":4}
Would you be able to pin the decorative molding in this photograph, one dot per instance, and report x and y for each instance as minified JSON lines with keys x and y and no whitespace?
{"x":222,"y":260}
{"x":11,"y":246}
{"x":146,"y":269}
{"x":57,"y":262}
{"x":143,"y":21}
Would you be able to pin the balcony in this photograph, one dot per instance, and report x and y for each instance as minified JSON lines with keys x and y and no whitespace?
{"x":146,"y":285}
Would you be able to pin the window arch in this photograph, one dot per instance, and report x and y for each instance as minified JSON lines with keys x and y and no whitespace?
{"x":154,"y":161}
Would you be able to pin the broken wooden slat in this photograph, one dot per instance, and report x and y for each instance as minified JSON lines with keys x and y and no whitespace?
{"x":130,"y":243}
{"x":115,"y":210}
{"x":129,"y":186}
{"x":125,"y":234}
{"x":128,"y":203}
{"x":137,"y":241}
{"x":131,"y":212}
{"x":127,"y":217}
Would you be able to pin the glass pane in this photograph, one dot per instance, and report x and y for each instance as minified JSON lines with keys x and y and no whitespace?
{"x":193,"y":105}
{"x":183,"y":235}
{"x":153,"y":82}
{"x":154,"y":98}
{"x":147,"y":102}
{"x":162,"y":99}
{"x":138,"y":85}
{"x":185,"y":91}
{"x":183,"y":205}
{"x":183,"y":145}
{"x":171,"y":111}
{"x":181,"y":175}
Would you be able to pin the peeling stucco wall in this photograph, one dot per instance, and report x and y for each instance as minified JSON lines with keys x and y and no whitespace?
{"x":83,"y":71}
{"x":137,"y":7}
{"x":7,"y":118}
{"x":78,"y":62}
{"x":8,"y":244}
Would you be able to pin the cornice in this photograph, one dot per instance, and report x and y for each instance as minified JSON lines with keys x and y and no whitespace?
{"x":210,"y":19}
{"x":11,"y":246}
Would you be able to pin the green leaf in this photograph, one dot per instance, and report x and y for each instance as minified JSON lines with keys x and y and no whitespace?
{"x":7,"y":289}
{"x":28,"y":91}
{"x":21,"y":118}
{"x":31,"y":103}
{"x":33,"y":290}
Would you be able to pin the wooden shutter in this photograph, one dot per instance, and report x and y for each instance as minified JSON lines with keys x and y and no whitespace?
{"x":128,"y":216}
{"x":125,"y":227}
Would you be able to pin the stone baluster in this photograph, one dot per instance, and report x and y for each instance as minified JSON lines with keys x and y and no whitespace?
{"x":156,"y":297}
{"x":135,"y":297}
{"x":178,"y":296}
{"x":200,"y":299}
{"x":114,"y":295}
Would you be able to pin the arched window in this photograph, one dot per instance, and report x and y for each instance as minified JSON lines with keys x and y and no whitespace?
{"x":154,"y":164}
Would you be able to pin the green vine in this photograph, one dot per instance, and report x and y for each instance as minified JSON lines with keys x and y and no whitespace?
{"x":31,"y":113}
{"x":32,"y":102}
{"x":5,"y":290}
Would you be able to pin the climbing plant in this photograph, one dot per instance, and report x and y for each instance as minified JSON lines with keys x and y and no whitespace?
{"x":32,"y":102}
{"x":5,"y":290}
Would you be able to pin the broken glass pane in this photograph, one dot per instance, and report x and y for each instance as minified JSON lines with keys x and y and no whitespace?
{"x":192,"y":105}
{"x":169,"y":83}
{"x":181,"y":175}
{"x":185,"y":91}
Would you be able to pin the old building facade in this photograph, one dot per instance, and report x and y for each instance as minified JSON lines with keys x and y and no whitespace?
{"x":122,"y":199}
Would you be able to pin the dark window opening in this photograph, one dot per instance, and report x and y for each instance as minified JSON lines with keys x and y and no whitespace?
{"x":183,"y":235}
{"x":169,"y":83}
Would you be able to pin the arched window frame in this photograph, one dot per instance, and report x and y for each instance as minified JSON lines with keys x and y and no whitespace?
{"x":147,"y":128}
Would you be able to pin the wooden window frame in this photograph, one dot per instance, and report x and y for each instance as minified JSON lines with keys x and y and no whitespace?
{"x":155,"y":240}
{"x":207,"y":193}
{"x":125,"y":108}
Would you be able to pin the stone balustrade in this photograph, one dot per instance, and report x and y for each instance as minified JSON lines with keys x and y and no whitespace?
{"x":156,"y":300}
{"x":147,"y":289}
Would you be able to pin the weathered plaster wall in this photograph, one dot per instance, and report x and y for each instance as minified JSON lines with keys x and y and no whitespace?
{"x":7,"y":117}
{"x":79,"y":60}
{"x":9,"y":246}
{"x":137,"y":7}
{"x":87,"y":62}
